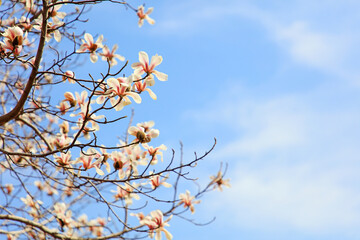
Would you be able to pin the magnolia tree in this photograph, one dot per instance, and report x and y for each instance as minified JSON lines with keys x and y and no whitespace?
{"x":57,"y":181}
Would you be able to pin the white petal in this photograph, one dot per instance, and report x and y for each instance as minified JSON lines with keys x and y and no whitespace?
{"x":156,"y":60}
{"x":88,"y":38}
{"x":161,"y":76}
{"x":143,"y":57}
{"x":93,"y":57}
{"x":99,"y":171}
{"x":151,"y":93}
{"x":134,"y":96}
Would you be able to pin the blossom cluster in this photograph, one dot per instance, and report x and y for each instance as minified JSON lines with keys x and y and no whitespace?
{"x":55,"y":166}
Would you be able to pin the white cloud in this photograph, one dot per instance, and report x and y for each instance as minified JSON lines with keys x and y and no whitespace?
{"x":294,"y":161}
{"x":327,"y":49}
{"x":298,"y":197}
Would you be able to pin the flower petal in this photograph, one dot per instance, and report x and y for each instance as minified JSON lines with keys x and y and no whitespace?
{"x":161,"y":76}
{"x":143,"y":57}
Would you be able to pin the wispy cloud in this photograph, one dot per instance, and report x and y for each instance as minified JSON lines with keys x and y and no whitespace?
{"x":327,"y":49}
{"x":294,"y":160}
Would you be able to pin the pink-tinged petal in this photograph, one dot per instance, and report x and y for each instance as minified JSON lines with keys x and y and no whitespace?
{"x":150,"y":20}
{"x":84,"y":95}
{"x":167,"y":185}
{"x":154,"y":133}
{"x":93,"y":57}
{"x":133,"y":130}
{"x":136,"y":65}
{"x":156,"y":214}
{"x":156,"y":60}
{"x":150,"y":10}
{"x":81,"y":49}
{"x":167,"y":234}
{"x":99,"y":41}
{"x":88,"y":38}
{"x":99,"y":171}
{"x":100,"y":99}
{"x":151,"y":93}
{"x":141,"y":22}
{"x":134,"y":96}
{"x":61,"y":14}
{"x":139,"y":71}
{"x":95,"y":126}
{"x":121,"y":174}
{"x":150,"y":81}
{"x":114,"y":101}
{"x":118,"y":56}
{"x":115,"y":47}
{"x":158,"y":234}
{"x":113,"y":83}
{"x":69,"y":95}
{"x":108,"y":169}
{"x":125,"y":101}
{"x":143,"y":57}
{"x":57,"y":35}
{"x":161,"y":76}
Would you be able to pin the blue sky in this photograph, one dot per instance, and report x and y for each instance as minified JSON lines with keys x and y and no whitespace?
{"x":277,"y":83}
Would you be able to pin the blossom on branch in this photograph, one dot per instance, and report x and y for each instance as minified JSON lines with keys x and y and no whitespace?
{"x":155,"y":181}
{"x":144,"y":66}
{"x":55,"y":15}
{"x":142,"y":135}
{"x":88,"y":157}
{"x":111,"y":56}
{"x":14,"y":40}
{"x":142,"y":16}
{"x":91,"y":46}
{"x":188,"y":201}
{"x":121,"y":87}
{"x":154,"y":152}
{"x":156,"y":224}
{"x":126,"y":193}
{"x":219,"y":182}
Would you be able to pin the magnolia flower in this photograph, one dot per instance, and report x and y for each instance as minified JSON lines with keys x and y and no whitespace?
{"x":52,"y":28}
{"x":69,"y":75}
{"x":142,"y":15}
{"x":126,"y":193}
{"x":14,"y":40}
{"x":64,"y":159}
{"x":63,"y":215}
{"x":96,"y":226}
{"x":63,"y":107}
{"x":218,"y":181}
{"x":61,"y":140}
{"x":156,"y":224}
{"x":29,"y":202}
{"x":87,"y":158}
{"x":89,"y":118}
{"x":25,"y":23}
{"x":81,"y":98}
{"x":144,"y":66}
{"x":9,"y":188}
{"x":141,"y":86}
{"x":153,"y":152}
{"x":55,"y":15}
{"x":39,"y":185}
{"x":122,"y":87}
{"x":69,"y":97}
{"x":188,"y":201}
{"x":111,"y":56}
{"x":89,"y":45}
{"x":142,"y":135}
{"x":121,"y":163}
{"x":155,"y":182}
